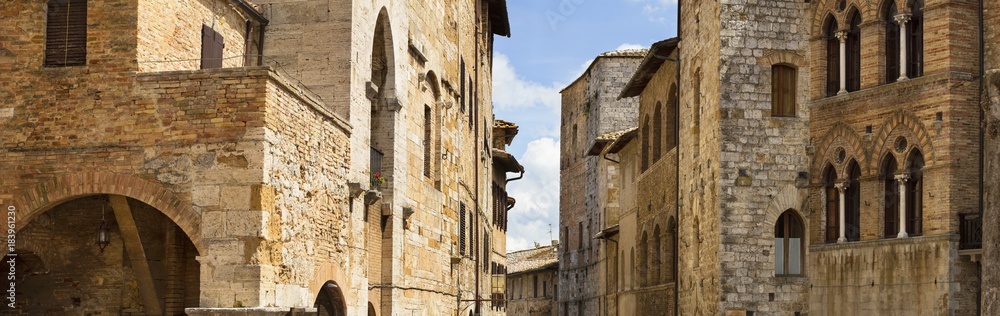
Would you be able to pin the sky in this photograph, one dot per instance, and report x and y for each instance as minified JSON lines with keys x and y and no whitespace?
{"x":552,"y":43}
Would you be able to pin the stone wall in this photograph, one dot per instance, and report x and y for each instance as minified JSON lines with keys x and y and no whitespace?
{"x":991,"y":168}
{"x":699,"y":98}
{"x":590,"y":108}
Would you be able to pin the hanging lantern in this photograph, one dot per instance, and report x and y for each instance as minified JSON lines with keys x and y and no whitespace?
{"x":103,"y":233}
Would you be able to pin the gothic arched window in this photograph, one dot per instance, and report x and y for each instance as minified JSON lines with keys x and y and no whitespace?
{"x":852,"y":203}
{"x":853,"y":59}
{"x":914,"y":194}
{"x":832,"y":204}
{"x":915,"y":40}
{"x":832,"y":57}
{"x":891,"y":42}
{"x":891,"y":197}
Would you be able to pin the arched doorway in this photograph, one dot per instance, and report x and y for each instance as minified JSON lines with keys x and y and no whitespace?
{"x":371,"y":310}
{"x":147,"y":267}
{"x":330,"y":300}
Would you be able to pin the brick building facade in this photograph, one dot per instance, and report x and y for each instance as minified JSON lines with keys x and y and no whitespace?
{"x":533,"y":281}
{"x":318,"y":168}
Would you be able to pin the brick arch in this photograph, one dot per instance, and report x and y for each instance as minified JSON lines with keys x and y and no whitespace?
{"x":880,"y":7}
{"x":910,"y":121}
{"x":840,"y":130}
{"x":40,"y":198}
{"x":820,"y":15}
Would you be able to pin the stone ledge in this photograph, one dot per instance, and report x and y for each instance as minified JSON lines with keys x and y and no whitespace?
{"x":884,"y":242}
{"x":251,"y":311}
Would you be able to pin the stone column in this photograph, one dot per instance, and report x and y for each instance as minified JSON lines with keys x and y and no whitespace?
{"x":842,"y":188}
{"x":902,"y":19}
{"x":902,"y":179}
{"x":842,"y":37}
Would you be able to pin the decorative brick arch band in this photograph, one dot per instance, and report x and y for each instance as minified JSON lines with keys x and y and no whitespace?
{"x":840,"y":130}
{"x":44,"y":196}
{"x":910,"y":121}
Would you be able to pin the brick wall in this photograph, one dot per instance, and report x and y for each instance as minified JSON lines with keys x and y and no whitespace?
{"x":169,"y":33}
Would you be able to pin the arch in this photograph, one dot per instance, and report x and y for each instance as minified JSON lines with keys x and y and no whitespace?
{"x":433,"y":84}
{"x":840,"y":131}
{"x":852,"y":23}
{"x":884,"y":6}
{"x":910,"y":121}
{"x":831,"y":204}
{"x":64,"y":187}
{"x":642,"y":262}
{"x":891,"y":48}
{"x":670,"y":122}
{"x":330,"y":300}
{"x":371,"y":310}
{"x":383,"y":54}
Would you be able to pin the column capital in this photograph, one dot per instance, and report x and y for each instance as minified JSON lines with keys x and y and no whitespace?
{"x":842,"y":186}
{"x":841,"y":36}
{"x":902,"y":18}
{"x":902,"y":177}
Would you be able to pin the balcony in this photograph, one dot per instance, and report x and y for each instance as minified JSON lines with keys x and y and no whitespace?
{"x":970,"y":232}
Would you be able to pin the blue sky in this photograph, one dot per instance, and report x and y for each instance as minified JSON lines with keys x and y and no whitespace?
{"x":552,"y":43}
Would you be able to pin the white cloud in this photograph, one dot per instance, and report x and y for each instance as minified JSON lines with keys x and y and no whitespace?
{"x":537,"y":197}
{"x":630,"y":46}
{"x":656,"y":10}
{"x":510,"y":91}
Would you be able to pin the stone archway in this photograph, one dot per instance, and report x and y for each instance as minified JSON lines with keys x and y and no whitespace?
{"x":330,"y":300}
{"x":147,"y":267}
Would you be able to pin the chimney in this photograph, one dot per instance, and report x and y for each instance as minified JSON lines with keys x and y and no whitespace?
{"x":555,"y":242}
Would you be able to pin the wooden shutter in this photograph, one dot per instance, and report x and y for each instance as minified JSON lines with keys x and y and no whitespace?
{"x":782,"y":91}
{"x":212,"y":45}
{"x":66,"y":33}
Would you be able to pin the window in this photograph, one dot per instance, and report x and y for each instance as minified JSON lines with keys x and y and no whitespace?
{"x":783,"y":91}
{"x":534,"y":285}
{"x":915,"y":40}
{"x":696,"y":113}
{"x":657,"y":132}
{"x":461,"y":228}
{"x":645,"y":143}
{"x":788,"y":244}
{"x":832,"y":204}
{"x":643,"y":261}
{"x":891,"y":201}
{"x":654,"y":259}
{"x":832,"y":57}
{"x":461,"y":82}
{"x":66,"y":33}
{"x":212,"y":45}
{"x":914,"y":194}
{"x":891,"y":42}
{"x":852,"y":203}
{"x":854,"y":51}
{"x":427,"y":141}
{"x":579,"y":236}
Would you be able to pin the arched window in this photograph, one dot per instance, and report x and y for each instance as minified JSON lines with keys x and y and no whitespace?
{"x":643,"y":261}
{"x":914,"y":194}
{"x":832,"y":57}
{"x":854,"y":51}
{"x":645,"y":143}
{"x":783,"y":90}
{"x":891,"y":42}
{"x":852,"y":203}
{"x":696,"y":113}
{"x":657,"y":132}
{"x":915,"y":40}
{"x":891,"y":187}
{"x":670,"y":120}
{"x":788,"y":244}
{"x":832,"y":204}
{"x":654,"y":258}
{"x":632,"y":268}
{"x":66,"y":33}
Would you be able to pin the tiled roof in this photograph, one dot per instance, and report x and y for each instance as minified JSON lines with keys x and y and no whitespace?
{"x":532,"y":259}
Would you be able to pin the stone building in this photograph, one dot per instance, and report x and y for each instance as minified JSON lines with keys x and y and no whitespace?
{"x":503,"y":163}
{"x":588,"y":192}
{"x":251,"y":158}
{"x":532,"y":282}
{"x":829,"y":158}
